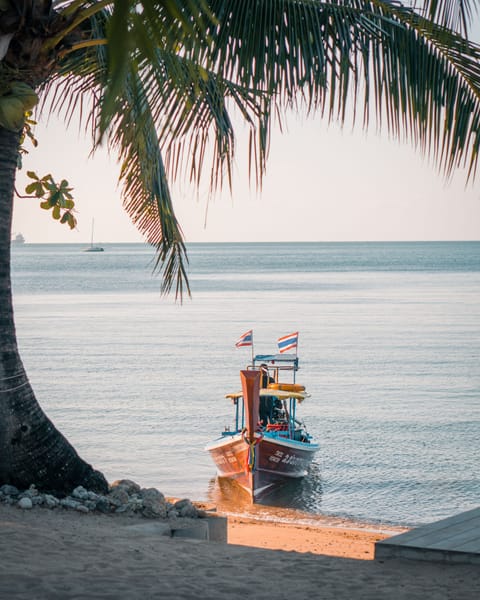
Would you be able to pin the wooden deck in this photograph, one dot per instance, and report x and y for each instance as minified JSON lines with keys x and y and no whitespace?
{"x":452,"y":540}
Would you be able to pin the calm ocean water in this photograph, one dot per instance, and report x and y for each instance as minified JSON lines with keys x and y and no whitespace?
{"x":389,"y":350}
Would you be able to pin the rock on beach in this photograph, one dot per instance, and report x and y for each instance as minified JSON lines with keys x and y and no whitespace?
{"x":124,"y":497}
{"x":25,"y":503}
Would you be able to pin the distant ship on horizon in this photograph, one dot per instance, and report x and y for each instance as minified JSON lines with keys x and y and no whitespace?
{"x":18,"y":239}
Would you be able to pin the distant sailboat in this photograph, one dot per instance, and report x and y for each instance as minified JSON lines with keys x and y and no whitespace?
{"x":93,"y":248}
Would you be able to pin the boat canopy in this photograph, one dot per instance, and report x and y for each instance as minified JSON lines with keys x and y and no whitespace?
{"x":276,"y":358}
{"x":280,"y":394}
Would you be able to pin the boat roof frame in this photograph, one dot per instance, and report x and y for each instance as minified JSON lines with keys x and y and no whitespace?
{"x":278,"y":361}
{"x":280,"y":394}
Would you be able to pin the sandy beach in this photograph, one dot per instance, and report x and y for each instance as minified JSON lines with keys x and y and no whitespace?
{"x":330,"y":541}
{"x":66,"y":555}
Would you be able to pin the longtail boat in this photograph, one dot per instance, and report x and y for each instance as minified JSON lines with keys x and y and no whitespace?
{"x":267,"y":446}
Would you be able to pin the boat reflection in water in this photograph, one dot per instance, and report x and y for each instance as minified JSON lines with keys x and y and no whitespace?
{"x":303,"y":495}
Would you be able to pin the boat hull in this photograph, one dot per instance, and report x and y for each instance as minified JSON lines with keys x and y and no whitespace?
{"x":268,"y":464}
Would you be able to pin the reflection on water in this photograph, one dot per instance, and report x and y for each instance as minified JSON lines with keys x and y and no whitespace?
{"x":285,"y":502}
{"x":296,"y":501}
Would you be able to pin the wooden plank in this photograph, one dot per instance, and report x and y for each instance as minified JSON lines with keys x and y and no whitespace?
{"x":472,"y":546}
{"x":430,"y":538}
{"x":452,"y":540}
{"x":440,"y":529}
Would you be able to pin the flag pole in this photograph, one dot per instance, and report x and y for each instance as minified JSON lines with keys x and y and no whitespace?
{"x":296,"y":356}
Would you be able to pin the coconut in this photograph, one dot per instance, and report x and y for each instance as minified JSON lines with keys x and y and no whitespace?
{"x":12,"y":113}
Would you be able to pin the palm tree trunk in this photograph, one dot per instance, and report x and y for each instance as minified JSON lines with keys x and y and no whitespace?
{"x":32,"y":450}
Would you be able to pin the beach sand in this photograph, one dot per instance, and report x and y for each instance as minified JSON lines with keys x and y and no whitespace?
{"x":58,"y":555}
{"x":331,"y":541}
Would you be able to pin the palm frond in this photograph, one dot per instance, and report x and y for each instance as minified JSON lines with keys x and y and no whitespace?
{"x":78,"y":87}
{"x":192,"y":109}
{"x":457,"y":15}
{"x":147,"y":198}
{"x":418,"y":78}
{"x":429,"y":77}
{"x":141,"y":28}
{"x":184,"y":103}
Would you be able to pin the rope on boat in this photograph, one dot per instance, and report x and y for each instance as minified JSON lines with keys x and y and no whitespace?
{"x":251,"y":454}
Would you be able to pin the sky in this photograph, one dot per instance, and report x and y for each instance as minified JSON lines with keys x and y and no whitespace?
{"x":322,"y":184}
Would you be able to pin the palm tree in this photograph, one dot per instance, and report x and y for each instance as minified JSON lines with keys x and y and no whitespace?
{"x":159,"y":80}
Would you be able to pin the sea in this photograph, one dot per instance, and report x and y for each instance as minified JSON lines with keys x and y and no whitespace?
{"x":389,"y":349}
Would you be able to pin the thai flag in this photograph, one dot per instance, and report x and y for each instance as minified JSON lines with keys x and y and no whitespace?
{"x":245,"y":340}
{"x":287,"y":342}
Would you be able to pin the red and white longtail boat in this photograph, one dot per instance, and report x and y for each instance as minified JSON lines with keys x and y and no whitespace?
{"x":267,"y":446}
